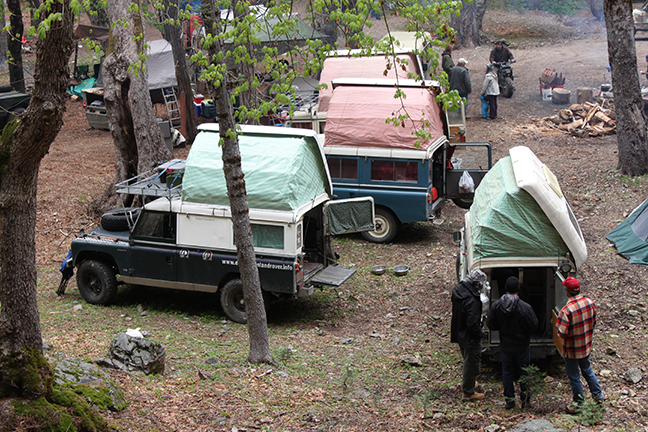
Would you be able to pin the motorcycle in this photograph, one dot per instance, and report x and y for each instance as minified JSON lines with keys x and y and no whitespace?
{"x":505,"y":78}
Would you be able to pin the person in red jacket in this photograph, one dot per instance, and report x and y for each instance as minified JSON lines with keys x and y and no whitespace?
{"x":575,"y":325}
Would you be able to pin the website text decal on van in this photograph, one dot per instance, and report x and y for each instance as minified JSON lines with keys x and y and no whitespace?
{"x":184,"y":238}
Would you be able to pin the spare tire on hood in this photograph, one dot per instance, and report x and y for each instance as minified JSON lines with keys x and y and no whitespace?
{"x":120,"y":219}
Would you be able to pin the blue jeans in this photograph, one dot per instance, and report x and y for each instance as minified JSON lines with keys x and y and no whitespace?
{"x":574,"y":369}
{"x":485,"y":106}
{"x":512,"y":364}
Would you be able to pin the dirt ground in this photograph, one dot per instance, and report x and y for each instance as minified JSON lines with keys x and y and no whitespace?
{"x":81,"y":163}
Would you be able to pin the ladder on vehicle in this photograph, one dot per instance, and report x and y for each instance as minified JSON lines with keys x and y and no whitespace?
{"x":172,"y":106}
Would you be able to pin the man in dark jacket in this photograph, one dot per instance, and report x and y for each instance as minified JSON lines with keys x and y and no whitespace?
{"x":500,"y":53}
{"x":460,"y":80}
{"x":515,"y":321}
{"x":466,"y":329}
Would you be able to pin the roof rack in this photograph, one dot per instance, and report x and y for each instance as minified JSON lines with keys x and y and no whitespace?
{"x":162,"y":181}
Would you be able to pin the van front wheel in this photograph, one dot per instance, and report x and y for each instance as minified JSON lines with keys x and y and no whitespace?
{"x":386,"y":227}
{"x":233,"y":302}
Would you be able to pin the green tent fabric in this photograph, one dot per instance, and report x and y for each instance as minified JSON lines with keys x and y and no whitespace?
{"x":629,"y":237}
{"x":506,"y":221}
{"x":85,"y":84}
{"x":282,"y":172}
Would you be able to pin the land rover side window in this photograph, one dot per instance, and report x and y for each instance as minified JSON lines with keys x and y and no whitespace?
{"x":343,"y":168}
{"x":399,"y":171}
{"x":268,"y":236}
{"x":156,"y":226}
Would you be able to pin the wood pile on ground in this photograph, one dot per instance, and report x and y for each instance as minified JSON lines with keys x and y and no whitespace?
{"x":584,"y":120}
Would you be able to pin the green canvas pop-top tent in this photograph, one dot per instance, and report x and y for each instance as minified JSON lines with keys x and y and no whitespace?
{"x":520,"y":211}
{"x":630,"y":236}
{"x":283,"y":171}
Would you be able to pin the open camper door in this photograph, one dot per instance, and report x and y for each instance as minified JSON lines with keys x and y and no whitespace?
{"x":349,"y":215}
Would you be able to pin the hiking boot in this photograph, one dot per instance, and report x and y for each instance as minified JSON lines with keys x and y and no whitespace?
{"x":572,"y":408}
{"x":509,"y":405}
{"x":599,"y":399}
{"x":474,"y":396}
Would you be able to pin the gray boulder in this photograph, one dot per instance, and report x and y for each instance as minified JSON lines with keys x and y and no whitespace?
{"x":633,"y":375}
{"x":537,"y":425}
{"x":133,"y":353}
{"x":91,"y":382}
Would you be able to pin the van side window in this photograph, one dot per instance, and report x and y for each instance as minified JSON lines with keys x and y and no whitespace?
{"x":343,"y":168}
{"x":156,"y":226}
{"x":399,"y":171}
{"x":268,"y":236}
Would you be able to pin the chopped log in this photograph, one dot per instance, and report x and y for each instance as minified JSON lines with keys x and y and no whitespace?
{"x":560,"y":96}
{"x":588,"y":106}
{"x":566,"y":114}
{"x":602,"y":117}
{"x":580,"y":133}
{"x":554,"y":119}
{"x":576,"y":124}
{"x":576,"y":107}
{"x":591,"y":112}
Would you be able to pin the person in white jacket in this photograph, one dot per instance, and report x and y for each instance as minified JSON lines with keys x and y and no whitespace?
{"x":491,"y":90}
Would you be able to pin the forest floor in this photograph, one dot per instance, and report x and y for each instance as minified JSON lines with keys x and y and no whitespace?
{"x":342,"y":355}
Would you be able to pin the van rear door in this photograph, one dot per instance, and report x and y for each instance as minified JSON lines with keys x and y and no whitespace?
{"x":349,"y":216}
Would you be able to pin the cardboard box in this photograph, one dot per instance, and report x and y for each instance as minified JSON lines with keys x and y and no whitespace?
{"x":548,"y":75}
{"x":546,"y":94}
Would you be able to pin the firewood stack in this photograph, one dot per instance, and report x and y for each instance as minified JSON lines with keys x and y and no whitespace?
{"x":585,"y":120}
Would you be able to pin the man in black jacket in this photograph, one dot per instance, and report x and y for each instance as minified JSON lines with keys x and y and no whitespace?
{"x":466,"y":329}
{"x":515,"y":321}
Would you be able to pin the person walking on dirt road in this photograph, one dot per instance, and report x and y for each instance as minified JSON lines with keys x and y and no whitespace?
{"x":466,"y":329}
{"x":575,"y":325}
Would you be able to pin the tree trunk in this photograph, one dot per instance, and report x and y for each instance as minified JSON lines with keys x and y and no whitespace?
{"x":3,"y":40}
{"x":14,"y":43}
{"x":23,"y":370}
{"x":139,"y":145}
{"x":33,"y":7}
{"x":468,"y":24}
{"x":256,"y":316}
{"x":173,"y":33}
{"x":100,"y":18}
{"x":245,"y":70}
{"x":631,"y":122}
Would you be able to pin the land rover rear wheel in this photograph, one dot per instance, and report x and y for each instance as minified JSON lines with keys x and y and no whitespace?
{"x":233,"y":302}
{"x":386,"y":227}
{"x":96,"y":282}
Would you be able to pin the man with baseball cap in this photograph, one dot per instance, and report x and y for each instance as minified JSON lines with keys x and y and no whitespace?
{"x":575,"y":325}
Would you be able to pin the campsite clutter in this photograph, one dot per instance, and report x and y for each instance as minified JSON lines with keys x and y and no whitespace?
{"x":585,"y":120}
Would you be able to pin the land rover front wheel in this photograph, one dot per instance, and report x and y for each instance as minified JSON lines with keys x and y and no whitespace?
{"x":233,"y":302}
{"x":386,"y":227}
{"x":96,"y":282}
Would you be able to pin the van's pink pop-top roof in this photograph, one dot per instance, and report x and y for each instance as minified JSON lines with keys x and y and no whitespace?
{"x":356,"y":117}
{"x":361,"y":67}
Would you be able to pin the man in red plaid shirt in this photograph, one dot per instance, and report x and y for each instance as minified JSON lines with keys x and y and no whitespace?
{"x":576,"y":326}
